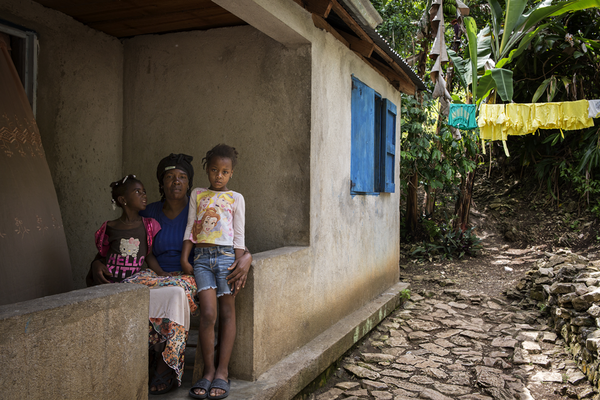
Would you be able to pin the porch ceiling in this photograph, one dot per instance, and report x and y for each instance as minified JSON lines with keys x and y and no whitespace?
{"x":125,"y":18}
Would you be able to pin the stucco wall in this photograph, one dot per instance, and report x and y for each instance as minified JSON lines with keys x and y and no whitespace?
{"x":186,"y":92}
{"x":357,"y":237}
{"x":79,"y":114}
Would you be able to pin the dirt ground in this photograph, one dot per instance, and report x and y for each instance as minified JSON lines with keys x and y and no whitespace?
{"x":517,"y":224}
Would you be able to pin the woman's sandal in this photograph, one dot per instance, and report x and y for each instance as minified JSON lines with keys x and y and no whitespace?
{"x":203,"y":384}
{"x":167,"y":378}
{"x":220,"y":384}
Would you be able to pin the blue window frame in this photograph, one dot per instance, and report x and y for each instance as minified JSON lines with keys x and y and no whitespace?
{"x":373,"y":154}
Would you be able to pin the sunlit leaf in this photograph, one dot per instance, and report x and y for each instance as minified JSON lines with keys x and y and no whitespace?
{"x":471,"y":28}
{"x":486,"y":84}
{"x":504,"y":83}
{"x":514,"y":10}
{"x":540,"y":90}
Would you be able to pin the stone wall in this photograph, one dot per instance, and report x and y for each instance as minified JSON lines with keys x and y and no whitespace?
{"x":566,"y":287}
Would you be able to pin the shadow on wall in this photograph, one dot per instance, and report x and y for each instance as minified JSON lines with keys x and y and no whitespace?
{"x":257,"y":99}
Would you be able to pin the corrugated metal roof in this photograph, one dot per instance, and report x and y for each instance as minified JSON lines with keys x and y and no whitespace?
{"x":384,"y":45}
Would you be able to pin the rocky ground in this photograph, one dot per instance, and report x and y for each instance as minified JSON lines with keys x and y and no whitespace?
{"x":459,"y":336}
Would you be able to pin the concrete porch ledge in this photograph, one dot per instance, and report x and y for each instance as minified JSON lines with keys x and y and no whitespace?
{"x":289,"y":376}
{"x":85,"y":344}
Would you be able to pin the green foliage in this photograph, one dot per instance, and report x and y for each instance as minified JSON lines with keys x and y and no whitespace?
{"x":570,"y":164}
{"x":580,"y":170}
{"x":398,"y":25}
{"x":471,"y":27}
{"x":439,"y":159}
{"x":563,"y":62}
{"x":446,"y":243}
{"x":524,"y":52}
{"x":513,"y":31}
{"x":405,"y":294}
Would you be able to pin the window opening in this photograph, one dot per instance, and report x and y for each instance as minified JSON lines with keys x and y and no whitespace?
{"x":23,"y":52}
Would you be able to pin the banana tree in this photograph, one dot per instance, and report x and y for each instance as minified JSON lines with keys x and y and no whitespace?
{"x":492,"y":49}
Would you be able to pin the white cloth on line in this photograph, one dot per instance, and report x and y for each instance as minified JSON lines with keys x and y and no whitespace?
{"x":172,"y":303}
{"x":593,"y":108}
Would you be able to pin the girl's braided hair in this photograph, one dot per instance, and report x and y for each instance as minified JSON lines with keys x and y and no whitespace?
{"x":221,"y":150}
{"x":119,"y":188}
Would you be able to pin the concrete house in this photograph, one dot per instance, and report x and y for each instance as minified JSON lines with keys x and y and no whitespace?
{"x":308,"y":93}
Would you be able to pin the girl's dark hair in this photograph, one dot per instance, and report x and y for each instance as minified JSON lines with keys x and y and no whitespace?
{"x":221,"y":150}
{"x":119,"y":188}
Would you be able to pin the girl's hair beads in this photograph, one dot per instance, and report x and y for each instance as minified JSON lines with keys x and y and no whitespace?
{"x":119,"y":188}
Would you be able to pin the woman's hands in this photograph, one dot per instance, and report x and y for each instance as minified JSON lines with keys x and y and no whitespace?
{"x":240,"y":268}
{"x":187,"y":268}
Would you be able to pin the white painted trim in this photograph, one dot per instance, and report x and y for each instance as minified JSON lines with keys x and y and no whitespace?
{"x":13,"y":31}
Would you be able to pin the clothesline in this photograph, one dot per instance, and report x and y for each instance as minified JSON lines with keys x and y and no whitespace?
{"x":498,"y":121}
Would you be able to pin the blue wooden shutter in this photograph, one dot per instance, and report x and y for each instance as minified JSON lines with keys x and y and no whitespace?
{"x":388,"y":148}
{"x":362,"y":163}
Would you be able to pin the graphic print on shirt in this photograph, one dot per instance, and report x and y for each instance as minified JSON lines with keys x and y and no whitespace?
{"x":204,"y":200}
{"x":213,"y":210}
{"x":207,"y":229}
{"x":224,"y":201}
{"x":127,"y":262}
{"x":129,"y":247}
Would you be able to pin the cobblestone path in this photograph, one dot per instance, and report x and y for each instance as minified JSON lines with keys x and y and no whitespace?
{"x":459,"y":345}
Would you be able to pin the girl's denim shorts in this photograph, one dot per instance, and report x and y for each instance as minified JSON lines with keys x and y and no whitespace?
{"x":210,"y":268}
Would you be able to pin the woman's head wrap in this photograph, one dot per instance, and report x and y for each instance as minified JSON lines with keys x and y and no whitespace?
{"x":175,"y":161}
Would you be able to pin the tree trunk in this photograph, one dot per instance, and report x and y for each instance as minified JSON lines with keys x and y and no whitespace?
{"x":412,"y":214}
{"x":429,"y":202}
{"x":463,"y":204}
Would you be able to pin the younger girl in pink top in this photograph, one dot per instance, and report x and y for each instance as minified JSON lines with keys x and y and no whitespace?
{"x":126,"y":242}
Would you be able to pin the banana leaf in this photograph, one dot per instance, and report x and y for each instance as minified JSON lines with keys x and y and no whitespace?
{"x":486,"y":84}
{"x":514,"y":10}
{"x":471,"y":28}
{"x":524,"y":24}
{"x":461,"y":69}
{"x":504,"y":83}
{"x":484,"y":48}
{"x":559,"y":9}
{"x":522,"y":46}
{"x":497,"y":12}
{"x":540,"y":90}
